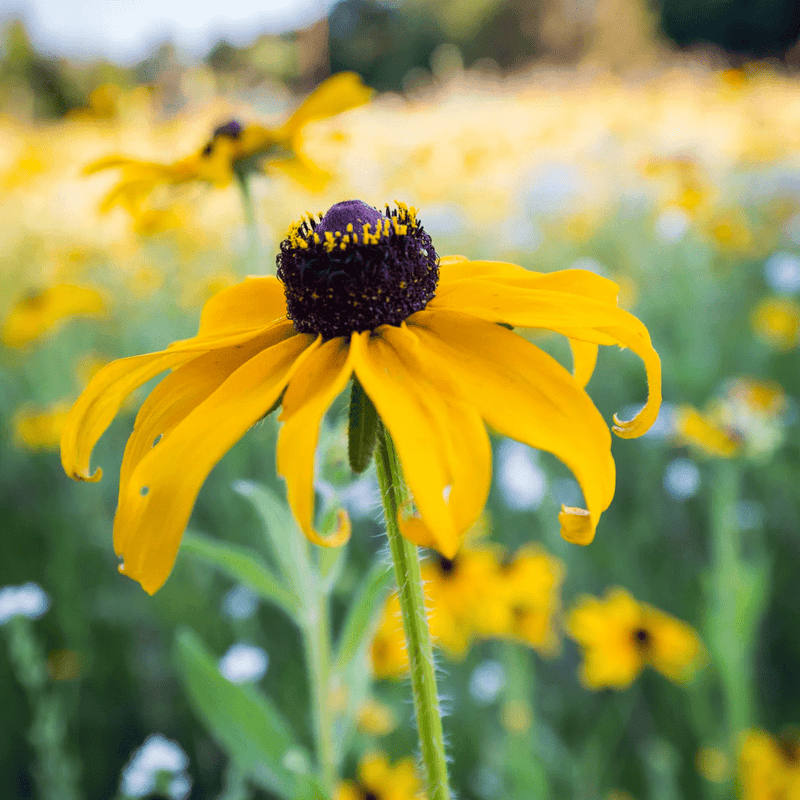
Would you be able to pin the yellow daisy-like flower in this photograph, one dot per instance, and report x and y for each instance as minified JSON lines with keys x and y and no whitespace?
{"x":37,"y":313}
{"x":380,"y":780}
{"x":620,"y":636}
{"x":769,"y":768}
{"x":529,"y":585}
{"x":364,"y":294}
{"x":236,"y":148}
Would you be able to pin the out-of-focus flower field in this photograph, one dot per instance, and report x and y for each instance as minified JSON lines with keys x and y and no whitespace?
{"x":659,"y":662}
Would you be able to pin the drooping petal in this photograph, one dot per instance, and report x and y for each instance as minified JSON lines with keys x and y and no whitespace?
{"x":336,"y":94}
{"x":157,"y":501}
{"x":321,"y":378}
{"x":576,"y":315}
{"x":439,"y":436}
{"x":584,"y":359}
{"x":310,"y":175}
{"x":525,"y":394}
{"x":101,"y":400}
{"x":183,"y":390}
{"x":251,"y":304}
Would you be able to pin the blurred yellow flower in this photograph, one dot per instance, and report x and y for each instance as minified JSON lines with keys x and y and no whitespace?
{"x":422,"y":339}
{"x":235,"y":149}
{"x":776,"y":320}
{"x":713,"y":764}
{"x":40,"y":429}
{"x":39,"y":312}
{"x":380,"y":780}
{"x":476,"y":595}
{"x":747,"y":418}
{"x":620,"y":636}
{"x":376,"y":719}
{"x":705,"y":433}
{"x":529,"y":586}
{"x":731,"y":231}
{"x":769,"y":768}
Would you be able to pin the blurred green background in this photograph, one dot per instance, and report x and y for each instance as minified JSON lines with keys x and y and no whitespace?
{"x":656,"y":144}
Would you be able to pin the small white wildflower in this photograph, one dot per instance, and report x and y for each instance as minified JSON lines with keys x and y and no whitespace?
{"x":682,"y":478}
{"x":521,"y":480}
{"x":28,"y":600}
{"x":487,"y":681}
{"x":244,"y":663}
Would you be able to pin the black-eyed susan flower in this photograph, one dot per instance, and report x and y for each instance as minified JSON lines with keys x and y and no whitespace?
{"x":769,"y":768}
{"x":528,"y":586}
{"x":380,"y":780}
{"x":363,"y":294}
{"x":236,"y":149}
{"x":620,"y":637}
{"x":39,"y":312}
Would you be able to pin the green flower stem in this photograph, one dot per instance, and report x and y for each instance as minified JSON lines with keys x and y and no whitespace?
{"x":732,"y":601}
{"x":253,"y":244}
{"x":415,"y":623}
{"x":316,"y":636}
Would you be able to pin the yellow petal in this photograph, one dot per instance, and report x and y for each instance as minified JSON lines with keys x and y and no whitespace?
{"x":575,"y":315}
{"x":439,"y":435}
{"x":336,"y":94}
{"x":156,"y":502}
{"x":302,"y":170}
{"x":182,"y":391}
{"x":322,"y":377}
{"x":36,"y":313}
{"x":584,"y":359}
{"x":701,"y":431}
{"x":525,"y":394}
{"x":252,"y":304}
{"x":99,"y":403}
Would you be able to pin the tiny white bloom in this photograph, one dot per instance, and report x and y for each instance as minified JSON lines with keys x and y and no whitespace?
{"x":244,"y":663}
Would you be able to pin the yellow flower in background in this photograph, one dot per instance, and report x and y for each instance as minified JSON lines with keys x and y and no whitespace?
{"x":388,"y":654}
{"x":731,"y":231}
{"x":529,"y":585}
{"x":620,"y":637}
{"x":376,"y":719}
{"x":237,"y":149}
{"x":477,"y":595}
{"x":705,"y":433}
{"x":748,"y":418}
{"x":380,"y":780}
{"x":38,"y":313}
{"x":364,"y":294}
{"x":713,"y":764}
{"x":40,"y":429}
{"x":769,"y":768}
{"x":776,"y":320}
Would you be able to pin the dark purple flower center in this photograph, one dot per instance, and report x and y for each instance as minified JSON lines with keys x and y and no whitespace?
{"x":355,"y":269}
{"x":232,"y":129}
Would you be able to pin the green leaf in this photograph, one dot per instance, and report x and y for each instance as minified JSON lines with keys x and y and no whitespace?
{"x":244,"y":566}
{"x":288,"y":545}
{"x":245,"y":723}
{"x":361,"y":616}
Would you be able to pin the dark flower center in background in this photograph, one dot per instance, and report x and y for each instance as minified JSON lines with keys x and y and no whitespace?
{"x":356,"y":269}
{"x":231,"y":129}
{"x":447,"y":566}
{"x":642,"y":637}
{"x":369,"y":795}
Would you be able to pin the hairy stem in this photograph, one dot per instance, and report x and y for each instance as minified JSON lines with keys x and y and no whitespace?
{"x":415,"y":623}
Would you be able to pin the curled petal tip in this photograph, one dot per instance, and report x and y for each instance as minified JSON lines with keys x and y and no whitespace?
{"x":577,"y":525}
{"x":87,"y":477}
{"x":639,"y":425}
{"x":337,"y":537}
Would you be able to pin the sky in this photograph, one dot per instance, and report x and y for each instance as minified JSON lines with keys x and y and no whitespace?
{"x":126,"y":30}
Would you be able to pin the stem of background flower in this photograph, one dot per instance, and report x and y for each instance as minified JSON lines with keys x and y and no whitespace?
{"x":415,"y":623}
{"x":316,"y":637}
{"x":253,"y":244}
{"x":728,"y":634}
{"x":522,"y":764}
